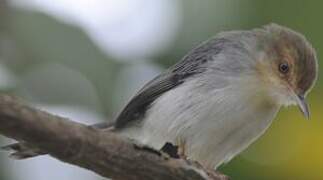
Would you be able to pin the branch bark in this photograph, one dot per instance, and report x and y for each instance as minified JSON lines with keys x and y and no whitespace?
{"x":100,"y":151}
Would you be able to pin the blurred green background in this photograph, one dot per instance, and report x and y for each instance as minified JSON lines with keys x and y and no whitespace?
{"x":84,"y":59}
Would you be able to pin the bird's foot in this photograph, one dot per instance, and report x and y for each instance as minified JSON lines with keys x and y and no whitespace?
{"x":175,"y":151}
{"x":170,"y":150}
{"x":181,"y":151}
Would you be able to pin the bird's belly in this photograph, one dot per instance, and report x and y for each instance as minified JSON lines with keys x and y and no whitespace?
{"x":207,"y":140}
{"x":218,"y":144}
{"x":212,"y":131}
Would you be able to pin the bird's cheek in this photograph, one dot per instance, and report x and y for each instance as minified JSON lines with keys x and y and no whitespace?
{"x":280,"y":95}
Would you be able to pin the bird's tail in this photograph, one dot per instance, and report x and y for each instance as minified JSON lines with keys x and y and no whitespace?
{"x":23,"y":150}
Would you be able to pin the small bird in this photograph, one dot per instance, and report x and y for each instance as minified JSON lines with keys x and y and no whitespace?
{"x":220,"y":97}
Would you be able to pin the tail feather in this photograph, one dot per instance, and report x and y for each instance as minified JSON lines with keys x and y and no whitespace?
{"x":22,"y":150}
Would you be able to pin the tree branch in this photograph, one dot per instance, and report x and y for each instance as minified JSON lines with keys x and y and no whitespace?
{"x":100,"y":151}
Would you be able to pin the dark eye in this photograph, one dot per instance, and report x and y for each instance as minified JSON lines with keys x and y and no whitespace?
{"x":284,"y":68}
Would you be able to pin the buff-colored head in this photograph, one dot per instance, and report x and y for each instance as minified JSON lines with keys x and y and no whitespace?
{"x":289,"y":66}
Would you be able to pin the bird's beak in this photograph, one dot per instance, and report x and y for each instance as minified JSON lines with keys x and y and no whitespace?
{"x":303,"y":106}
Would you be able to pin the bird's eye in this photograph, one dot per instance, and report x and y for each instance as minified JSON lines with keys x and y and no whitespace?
{"x":284,"y":68}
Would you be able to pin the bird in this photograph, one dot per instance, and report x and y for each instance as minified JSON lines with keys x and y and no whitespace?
{"x":220,"y":97}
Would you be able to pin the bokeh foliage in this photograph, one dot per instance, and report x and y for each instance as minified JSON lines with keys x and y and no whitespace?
{"x":46,"y":55}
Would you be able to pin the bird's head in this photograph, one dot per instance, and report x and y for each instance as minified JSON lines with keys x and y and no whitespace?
{"x":288,"y":66}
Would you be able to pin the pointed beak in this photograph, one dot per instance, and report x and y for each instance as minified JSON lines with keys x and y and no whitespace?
{"x":303,"y":106}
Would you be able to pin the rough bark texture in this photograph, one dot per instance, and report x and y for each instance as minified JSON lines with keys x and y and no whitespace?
{"x":100,"y":151}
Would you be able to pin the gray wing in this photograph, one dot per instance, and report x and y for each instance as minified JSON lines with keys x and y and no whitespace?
{"x":190,"y":65}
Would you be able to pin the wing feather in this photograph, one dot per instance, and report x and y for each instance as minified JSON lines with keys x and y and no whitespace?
{"x":190,"y":65}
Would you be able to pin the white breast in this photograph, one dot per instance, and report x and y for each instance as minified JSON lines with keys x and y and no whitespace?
{"x":216,"y":123}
